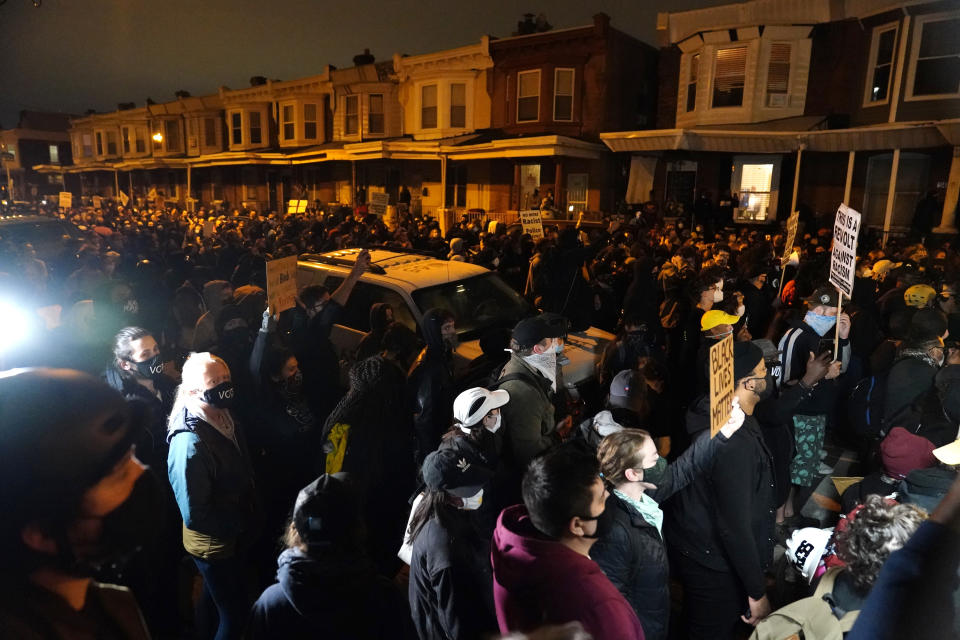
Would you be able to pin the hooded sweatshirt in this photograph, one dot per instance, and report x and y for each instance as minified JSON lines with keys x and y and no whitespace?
{"x":205,"y":333}
{"x":338,"y":595}
{"x":370,"y":343}
{"x":430,"y":386}
{"x":538,"y":581}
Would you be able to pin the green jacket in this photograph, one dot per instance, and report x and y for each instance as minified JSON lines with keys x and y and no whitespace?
{"x":529,"y":425}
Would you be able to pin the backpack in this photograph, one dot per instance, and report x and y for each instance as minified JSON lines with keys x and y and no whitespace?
{"x":865,"y":407}
{"x":813,"y":618}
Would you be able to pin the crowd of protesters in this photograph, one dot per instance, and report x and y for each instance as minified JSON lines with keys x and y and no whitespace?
{"x":165,"y":430}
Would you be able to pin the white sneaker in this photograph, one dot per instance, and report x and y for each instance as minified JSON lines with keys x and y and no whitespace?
{"x":825,"y":469}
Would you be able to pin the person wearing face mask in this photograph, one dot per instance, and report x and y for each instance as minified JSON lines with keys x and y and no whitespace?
{"x":813,"y":335}
{"x":429,"y":388}
{"x":531,"y":378}
{"x":720,"y":528}
{"x":327,"y":585}
{"x":75,"y":500}
{"x":209,"y":468}
{"x":633,"y":553}
{"x":450,"y":585}
{"x":912,"y":375}
{"x":216,"y":295}
{"x":542,"y":570}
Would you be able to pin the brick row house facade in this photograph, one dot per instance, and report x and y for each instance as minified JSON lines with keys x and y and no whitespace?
{"x":493,"y":125}
{"x":790,"y":103}
{"x":38,"y":139}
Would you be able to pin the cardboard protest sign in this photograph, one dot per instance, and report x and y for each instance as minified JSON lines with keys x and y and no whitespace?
{"x":377,"y":202}
{"x":281,"y":284}
{"x":124,"y":198}
{"x":721,"y":384}
{"x":843,"y":261}
{"x":97,"y":202}
{"x":208,"y":228}
{"x":532,"y":223}
{"x":792,"y":223}
{"x":66,"y":199}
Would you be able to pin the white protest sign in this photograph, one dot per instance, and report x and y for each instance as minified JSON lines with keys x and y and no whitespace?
{"x":296,"y":206}
{"x":843,"y":261}
{"x":721,"y":384}
{"x":792,"y":223}
{"x":66,"y":199}
{"x":208,"y":228}
{"x":281,"y":284}
{"x":377,"y":202}
{"x":124,"y":198}
{"x":532,"y":223}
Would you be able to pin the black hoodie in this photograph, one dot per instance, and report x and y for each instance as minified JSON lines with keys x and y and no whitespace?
{"x":337,"y":595}
{"x":430,"y":386}
{"x":370,"y":343}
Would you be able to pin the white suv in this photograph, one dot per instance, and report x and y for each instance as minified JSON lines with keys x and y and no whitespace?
{"x":413,"y":283}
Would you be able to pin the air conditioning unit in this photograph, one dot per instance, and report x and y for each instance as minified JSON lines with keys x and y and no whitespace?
{"x":778,"y":100}
{"x":192,"y":143}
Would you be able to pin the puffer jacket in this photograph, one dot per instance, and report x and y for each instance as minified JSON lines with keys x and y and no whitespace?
{"x":634,"y":557}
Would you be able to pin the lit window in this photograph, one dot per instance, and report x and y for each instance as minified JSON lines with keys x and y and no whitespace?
{"x":351,"y":121}
{"x":729,"y":76}
{"x":692,"y":82}
{"x":288,"y":126}
{"x":375,"y":120}
{"x":310,"y":121}
{"x":563,"y":94}
{"x":755,"y":184}
{"x":256,"y":136}
{"x":54,"y":154}
{"x":428,"y":106}
{"x":937,"y":70}
{"x":528,"y":96}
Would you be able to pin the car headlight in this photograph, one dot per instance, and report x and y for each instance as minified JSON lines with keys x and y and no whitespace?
{"x":14,"y":325}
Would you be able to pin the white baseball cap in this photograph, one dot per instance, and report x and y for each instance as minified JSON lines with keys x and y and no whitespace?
{"x":805,"y":548}
{"x":472,"y":405}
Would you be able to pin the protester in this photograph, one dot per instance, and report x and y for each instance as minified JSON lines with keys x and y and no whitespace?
{"x":430,"y":381}
{"x":75,"y":499}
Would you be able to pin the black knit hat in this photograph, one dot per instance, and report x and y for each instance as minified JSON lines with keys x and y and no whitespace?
{"x":746,"y":357}
{"x":326,"y":510}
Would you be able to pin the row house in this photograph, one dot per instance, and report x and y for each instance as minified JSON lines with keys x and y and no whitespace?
{"x":38,"y":139}
{"x":780,"y":104}
{"x":494,"y":125}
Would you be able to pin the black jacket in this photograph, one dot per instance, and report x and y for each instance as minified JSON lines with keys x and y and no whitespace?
{"x":337,"y":596}
{"x":152,"y":443}
{"x":451,"y":582}
{"x":796,"y":345}
{"x":430,"y":390}
{"x":634,"y":557}
{"x":724,"y":519}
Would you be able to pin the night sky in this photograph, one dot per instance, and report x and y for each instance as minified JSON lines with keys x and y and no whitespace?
{"x":74,"y":55}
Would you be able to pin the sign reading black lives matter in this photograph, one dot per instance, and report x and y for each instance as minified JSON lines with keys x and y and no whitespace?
{"x":843,"y":262}
{"x":721,"y":384}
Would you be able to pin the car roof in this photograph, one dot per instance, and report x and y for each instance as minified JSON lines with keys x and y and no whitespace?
{"x":414,"y":270}
{"x":21,"y":219}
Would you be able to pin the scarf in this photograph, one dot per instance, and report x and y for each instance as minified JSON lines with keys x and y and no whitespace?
{"x":647,"y":507}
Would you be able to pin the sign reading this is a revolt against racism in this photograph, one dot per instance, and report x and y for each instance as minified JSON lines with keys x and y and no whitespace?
{"x":792,"y":222}
{"x":843,"y":261}
{"x":281,"y":284}
{"x":721,"y":384}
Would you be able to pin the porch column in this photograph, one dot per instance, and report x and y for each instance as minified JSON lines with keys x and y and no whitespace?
{"x":353,"y":183}
{"x":516,"y":185}
{"x":891,"y":195}
{"x":130,"y":185}
{"x":948,"y":222}
{"x":558,"y":200}
{"x":189,"y":199}
{"x":849,"y":185}
{"x":116,"y":184}
{"x":796,"y":178}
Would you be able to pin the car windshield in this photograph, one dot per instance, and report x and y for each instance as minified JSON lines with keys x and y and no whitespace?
{"x":36,"y":232}
{"x":477,"y":303}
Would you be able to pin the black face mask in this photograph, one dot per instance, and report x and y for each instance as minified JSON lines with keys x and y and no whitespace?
{"x":654,"y":475}
{"x":292,"y":385}
{"x":604,"y":523}
{"x":221,"y":396}
{"x":132,"y":526}
{"x":150,"y":369}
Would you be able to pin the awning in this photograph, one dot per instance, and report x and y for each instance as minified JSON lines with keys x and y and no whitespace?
{"x":900,"y":135}
{"x":526,"y":148}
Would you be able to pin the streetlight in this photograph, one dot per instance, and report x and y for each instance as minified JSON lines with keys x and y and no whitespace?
{"x":158,"y":137}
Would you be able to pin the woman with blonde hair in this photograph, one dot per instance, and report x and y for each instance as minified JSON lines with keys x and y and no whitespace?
{"x":632,"y":553}
{"x":209,"y":469}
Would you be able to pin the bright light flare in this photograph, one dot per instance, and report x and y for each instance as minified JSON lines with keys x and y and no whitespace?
{"x":14,"y":325}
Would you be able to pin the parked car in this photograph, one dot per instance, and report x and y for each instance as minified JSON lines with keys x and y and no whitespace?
{"x":44,"y":233}
{"x":412,"y":283}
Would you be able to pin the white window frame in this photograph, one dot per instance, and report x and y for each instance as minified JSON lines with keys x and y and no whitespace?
{"x":872,"y":62}
{"x":54,"y":152}
{"x":790,"y":71}
{"x":141,"y":135}
{"x":915,"y":53}
{"x":519,"y":75}
{"x":573,"y":92}
{"x":436,"y":88}
{"x":694,"y":77}
{"x":86,"y":144}
{"x":713,"y":76}
{"x":359,"y":128}
{"x":315,"y":120}
{"x":383,"y":113}
{"x":261,"y":125}
{"x":450,"y":105}
{"x":292,"y":122}
{"x":210,"y":125}
{"x":232,"y":128}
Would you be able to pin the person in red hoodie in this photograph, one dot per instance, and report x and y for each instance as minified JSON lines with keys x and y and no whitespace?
{"x":542,"y":573}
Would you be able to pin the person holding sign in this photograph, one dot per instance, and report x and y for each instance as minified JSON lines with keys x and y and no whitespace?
{"x":813,"y":335}
{"x":720,"y":528}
